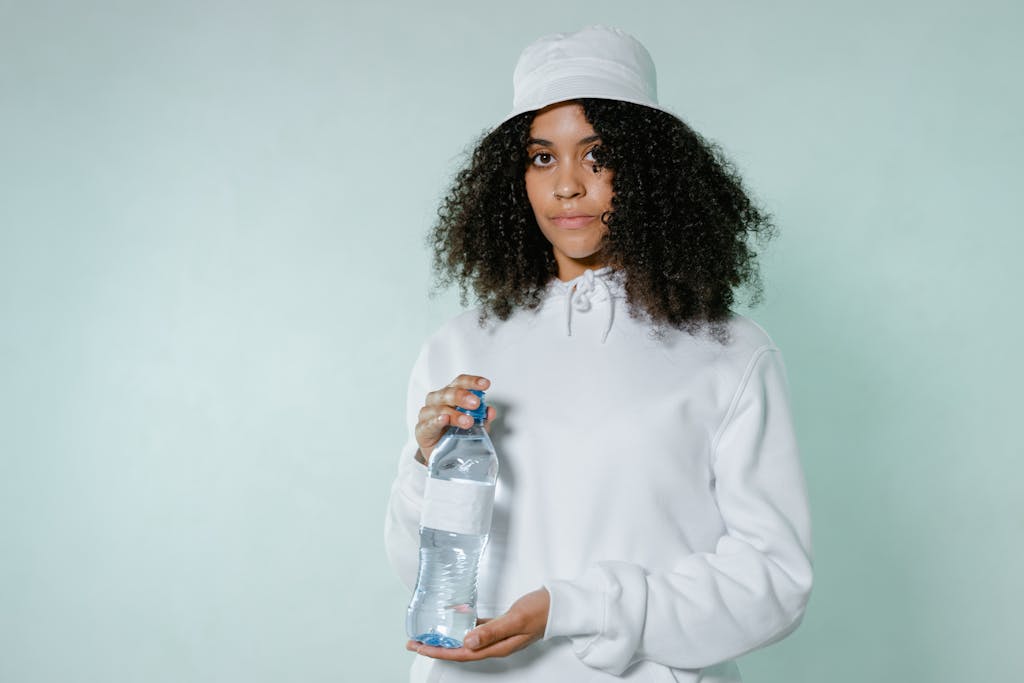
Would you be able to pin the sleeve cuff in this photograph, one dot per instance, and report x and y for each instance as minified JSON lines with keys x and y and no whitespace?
{"x":577,"y":608}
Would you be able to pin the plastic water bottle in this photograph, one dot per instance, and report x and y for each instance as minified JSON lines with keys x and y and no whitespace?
{"x":454,"y":524}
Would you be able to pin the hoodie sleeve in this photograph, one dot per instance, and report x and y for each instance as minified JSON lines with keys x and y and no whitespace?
{"x":712,"y":606}
{"x":402,"y":522}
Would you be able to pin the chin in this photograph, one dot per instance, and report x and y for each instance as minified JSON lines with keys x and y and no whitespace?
{"x":583,"y":246}
{"x":582,"y":255}
{"x":581,"y":252}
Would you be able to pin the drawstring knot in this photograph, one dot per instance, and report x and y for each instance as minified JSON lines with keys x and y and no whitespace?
{"x":579,"y":296}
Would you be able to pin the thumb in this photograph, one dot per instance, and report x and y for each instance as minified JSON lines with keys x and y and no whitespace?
{"x":488,"y":634}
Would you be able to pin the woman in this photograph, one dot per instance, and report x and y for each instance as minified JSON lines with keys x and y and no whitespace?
{"x":651,"y":521}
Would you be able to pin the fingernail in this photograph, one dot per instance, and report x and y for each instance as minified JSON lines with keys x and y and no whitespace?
{"x":481,"y":382}
{"x":472,"y":642}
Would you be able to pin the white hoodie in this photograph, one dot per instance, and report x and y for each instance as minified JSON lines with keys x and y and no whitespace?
{"x":651,"y":483}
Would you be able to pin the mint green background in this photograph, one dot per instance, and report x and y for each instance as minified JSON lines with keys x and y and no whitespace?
{"x":213,"y":283}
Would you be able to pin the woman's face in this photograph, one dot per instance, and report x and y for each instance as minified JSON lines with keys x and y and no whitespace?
{"x":567,"y":195}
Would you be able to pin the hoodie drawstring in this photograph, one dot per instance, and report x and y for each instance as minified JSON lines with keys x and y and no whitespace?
{"x":580,"y":291}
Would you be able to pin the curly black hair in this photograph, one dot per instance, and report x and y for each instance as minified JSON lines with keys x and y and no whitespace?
{"x":679,"y":230}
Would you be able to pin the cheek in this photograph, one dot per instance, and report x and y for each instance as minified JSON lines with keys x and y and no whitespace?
{"x":533,"y":193}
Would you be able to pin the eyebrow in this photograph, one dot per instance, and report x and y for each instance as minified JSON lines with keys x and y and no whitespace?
{"x":548,"y":143}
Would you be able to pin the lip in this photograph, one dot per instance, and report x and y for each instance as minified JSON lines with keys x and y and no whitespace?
{"x":571,"y":221}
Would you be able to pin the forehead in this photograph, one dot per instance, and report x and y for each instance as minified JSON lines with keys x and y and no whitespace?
{"x":564,"y":122}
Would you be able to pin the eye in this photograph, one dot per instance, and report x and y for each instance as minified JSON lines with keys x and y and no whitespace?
{"x":589,"y":158}
{"x":542,"y":159}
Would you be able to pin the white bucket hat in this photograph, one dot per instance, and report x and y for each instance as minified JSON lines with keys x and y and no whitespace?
{"x":598,"y":61}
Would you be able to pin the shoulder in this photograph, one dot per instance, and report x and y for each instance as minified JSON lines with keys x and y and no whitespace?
{"x":466,"y":322}
{"x":754,"y":359}
{"x":746,"y":336}
{"x":726,"y":354}
{"x":733,"y":340}
{"x":468,"y":336}
{"x":469,"y":326}
{"x":747,"y":344}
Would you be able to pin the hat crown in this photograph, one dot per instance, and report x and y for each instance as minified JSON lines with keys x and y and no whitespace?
{"x":609,"y":56}
{"x":598,"y":62}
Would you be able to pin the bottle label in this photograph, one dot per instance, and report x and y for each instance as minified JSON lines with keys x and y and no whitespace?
{"x":457,"y":505}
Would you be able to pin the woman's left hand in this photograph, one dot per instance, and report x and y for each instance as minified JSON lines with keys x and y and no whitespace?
{"x":523,"y":623}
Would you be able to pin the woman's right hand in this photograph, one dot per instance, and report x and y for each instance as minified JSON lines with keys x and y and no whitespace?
{"x":439,"y":412}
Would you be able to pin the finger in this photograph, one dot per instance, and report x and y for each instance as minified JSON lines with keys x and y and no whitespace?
{"x":495,"y":630}
{"x":430,"y":427}
{"x":505,"y":647}
{"x":501,"y":648}
{"x":470,"y":382}
{"x":456,"y":397}
{"x":433,"y":422}
{"x":455,"y":654}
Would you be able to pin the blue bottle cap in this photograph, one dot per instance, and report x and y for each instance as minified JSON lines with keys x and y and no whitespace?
{"x":478,"y":413}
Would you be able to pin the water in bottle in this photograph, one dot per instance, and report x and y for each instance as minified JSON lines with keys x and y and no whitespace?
{"x":454,"y":525}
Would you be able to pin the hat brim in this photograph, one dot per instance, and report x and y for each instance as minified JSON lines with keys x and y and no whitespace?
{"x":565,"y":91}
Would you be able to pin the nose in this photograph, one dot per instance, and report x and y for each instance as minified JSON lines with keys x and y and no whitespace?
{"x":568,"y":183}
